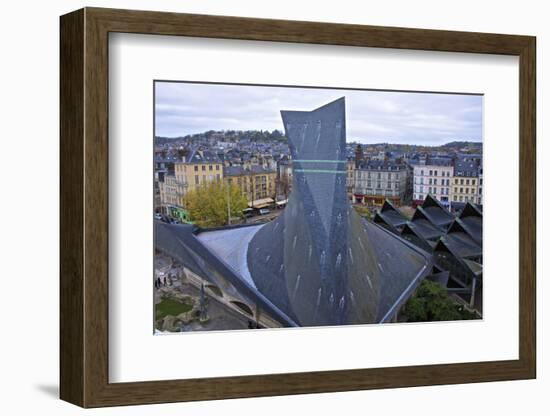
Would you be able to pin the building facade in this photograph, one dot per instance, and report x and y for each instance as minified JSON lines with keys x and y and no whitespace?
{"x":255,"y":182}
{"x":170,"y":194}
{"x":376,"y":181}
{"x":434,"y":180}
{"x":198,"y":168}
{"x":350,"y":177}
{"x":467,"y":185}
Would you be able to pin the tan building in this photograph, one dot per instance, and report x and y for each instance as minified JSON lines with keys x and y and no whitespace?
{"x":169,"y":192}
{"x":466,"y":184}
{"x":256,"y":182}
{"x":199,"y":167}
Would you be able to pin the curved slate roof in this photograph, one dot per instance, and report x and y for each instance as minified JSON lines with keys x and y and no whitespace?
{"x":181,"y":243}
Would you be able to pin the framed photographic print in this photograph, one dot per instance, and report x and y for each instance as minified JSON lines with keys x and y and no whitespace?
{"x":255,"y":207}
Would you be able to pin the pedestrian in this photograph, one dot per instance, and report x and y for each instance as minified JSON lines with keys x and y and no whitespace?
{"x":158,"y":282}
{"x":164,"y":280}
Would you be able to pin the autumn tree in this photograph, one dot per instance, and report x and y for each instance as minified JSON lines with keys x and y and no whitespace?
{"x":208,"y":204}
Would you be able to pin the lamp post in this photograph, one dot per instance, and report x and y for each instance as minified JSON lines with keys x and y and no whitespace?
{"x":228,"y":206}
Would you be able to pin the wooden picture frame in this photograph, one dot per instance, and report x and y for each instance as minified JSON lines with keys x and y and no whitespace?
{"x":84,"y":207}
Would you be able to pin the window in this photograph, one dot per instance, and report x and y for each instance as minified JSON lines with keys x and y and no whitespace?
{"x":196,"y":168}
{"x":430,"y":181}
{"x":421,"y":173}
{"x":473,"y":181}
{"x":210,"y":167}
{"x":467,"y":181}
{"x":431,"y":172}
{"x":435,"y":181}
{"x":203,"y":167}
{"x":217,"y":167}
{"x":456,"y":181}
{"x":461,"y":191}
{"x":462,"y":181}
{"x":454,"y":198}
{"x":461,"y":198}
{"x":435,"y":172}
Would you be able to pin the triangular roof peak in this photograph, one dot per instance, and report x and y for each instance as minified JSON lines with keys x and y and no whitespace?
{"x":470,"y":210}
{"x":419,"y":213}
{"x":430,"y":201}
{"x":388,"y":206}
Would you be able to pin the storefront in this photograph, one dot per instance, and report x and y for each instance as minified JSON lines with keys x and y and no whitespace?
{"x":179,"y":214}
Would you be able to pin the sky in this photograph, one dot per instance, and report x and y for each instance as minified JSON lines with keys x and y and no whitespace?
{"x":371,"y":116}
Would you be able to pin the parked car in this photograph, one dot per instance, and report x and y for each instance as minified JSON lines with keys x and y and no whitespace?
{"x":158,"y":216}
{"x":264,"y":211}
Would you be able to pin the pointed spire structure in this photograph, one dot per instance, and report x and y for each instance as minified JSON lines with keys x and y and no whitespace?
{"x":321,"y":260}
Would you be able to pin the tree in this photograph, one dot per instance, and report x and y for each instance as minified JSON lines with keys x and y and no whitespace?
{"x":208,"y":204}
{"x":284,"y":185}
{"x":432,"y":303}
{"x":363,"y":211}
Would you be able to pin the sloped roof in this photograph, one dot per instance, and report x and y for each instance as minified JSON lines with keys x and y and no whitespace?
{"x":198,"y":155}
{"x":435,"y":212}
{"x":390,"y":216}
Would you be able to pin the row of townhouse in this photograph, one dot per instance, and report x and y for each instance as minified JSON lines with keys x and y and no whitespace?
{"x":449,"y":181}
{"x":201,"y":167}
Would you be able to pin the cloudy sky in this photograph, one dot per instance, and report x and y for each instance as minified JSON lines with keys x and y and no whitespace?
{"x":371,"y":116}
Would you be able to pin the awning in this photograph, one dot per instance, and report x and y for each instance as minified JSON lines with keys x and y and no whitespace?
{"x":261,"y":203}
{"x":284,"y":202}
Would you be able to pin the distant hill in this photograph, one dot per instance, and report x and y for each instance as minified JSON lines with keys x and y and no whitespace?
{"x":227,"y":135}
{"x":462,"y":144}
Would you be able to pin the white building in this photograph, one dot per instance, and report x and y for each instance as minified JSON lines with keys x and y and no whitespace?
{"x":433,"y":179}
